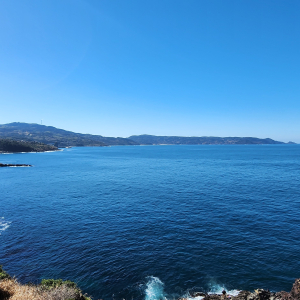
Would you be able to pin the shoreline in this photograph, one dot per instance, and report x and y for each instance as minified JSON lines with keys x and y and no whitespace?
{"x":10,"y":288}
{"x":257,"y":294}
{"x":22,"y":152}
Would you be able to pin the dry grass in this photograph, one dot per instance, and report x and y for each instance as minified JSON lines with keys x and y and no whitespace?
{"x":12,"y":290}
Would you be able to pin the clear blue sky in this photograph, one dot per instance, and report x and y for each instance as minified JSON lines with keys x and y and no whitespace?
{"x":163,"y":67}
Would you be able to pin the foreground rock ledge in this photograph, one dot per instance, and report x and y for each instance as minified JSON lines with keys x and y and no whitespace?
{"x":258,"y":294}
{"x":11,"y":289}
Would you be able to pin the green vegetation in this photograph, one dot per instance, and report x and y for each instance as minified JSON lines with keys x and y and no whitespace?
{"x":58,"y":137}
{"x":204,"y":140}
{"x":48,"y":289}
{"x":63,"y":138}
{"x":8,"y":145}
{"x":3,"y":274}
{"x":53,"y":283}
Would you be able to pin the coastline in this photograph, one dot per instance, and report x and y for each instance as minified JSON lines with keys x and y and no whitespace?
{"x":50,"y":289}
{"x":22,"y":152}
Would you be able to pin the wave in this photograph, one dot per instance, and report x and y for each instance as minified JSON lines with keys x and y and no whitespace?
{"x":215,"y":288}
{"x":155,"y":290}
{"x":3,"y":224}
{"x":32,"y":152}
{"x":18,"y":166}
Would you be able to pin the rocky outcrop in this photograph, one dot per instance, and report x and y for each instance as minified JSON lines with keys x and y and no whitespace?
{"x":14,"y":165}
{"x":258,"y":294}
{"x":295,"y":292}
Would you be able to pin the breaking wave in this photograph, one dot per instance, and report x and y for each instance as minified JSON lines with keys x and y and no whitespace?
{"x":155,"y":290}
{"x":3,"y":225}
{"x":215,"y":288}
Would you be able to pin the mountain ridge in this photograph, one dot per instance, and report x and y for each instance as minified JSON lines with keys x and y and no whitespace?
{"x":63,"y":138}
{"x":146,"y":139}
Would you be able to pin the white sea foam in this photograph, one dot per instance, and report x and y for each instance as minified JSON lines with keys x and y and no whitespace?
{"x":3,"y":224}
{"x":193,"y":298}
{"x":155,"y":289}
{"x":216,"y":288}
{"x":18,"y":166}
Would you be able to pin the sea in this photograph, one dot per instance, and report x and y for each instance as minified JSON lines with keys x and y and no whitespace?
{"x":154,"y":222}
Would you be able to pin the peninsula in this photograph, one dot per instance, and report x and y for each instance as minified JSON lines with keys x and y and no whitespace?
{"x":12,"y":146}
{"x":9,"y":146}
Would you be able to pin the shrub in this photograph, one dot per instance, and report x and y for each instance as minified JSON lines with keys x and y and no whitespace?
{"x":54,"y":283}
{"x":49,"y":289}
{"x":3,"y":274}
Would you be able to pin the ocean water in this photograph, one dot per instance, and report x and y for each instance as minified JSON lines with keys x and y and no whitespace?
{"x":154,"y":222}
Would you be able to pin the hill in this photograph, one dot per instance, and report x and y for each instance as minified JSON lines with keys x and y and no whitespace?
{"x":205,"y":140}
{"x":63,"y":138}
{"x":58,"y":137}
{"x":7,"y":145}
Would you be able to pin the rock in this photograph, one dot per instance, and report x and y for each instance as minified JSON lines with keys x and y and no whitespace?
{"x":212,"y":297}
{"x":262,"y":294}
{"x":293,"y":295}
{"x":242,"y":295}
{"x":253,"y":296}
{"x":258,"y":294}
{"x":197,"y":294}
{"x":272,"y":296}
{"x":295,"y":292}
{"x":14,"y":165}
{"x":282,"y":296}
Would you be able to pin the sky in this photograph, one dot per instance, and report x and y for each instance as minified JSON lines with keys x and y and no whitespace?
{"x":161,"y":67}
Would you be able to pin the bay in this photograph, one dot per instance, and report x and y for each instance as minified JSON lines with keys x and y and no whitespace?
{"x":126,"y":221}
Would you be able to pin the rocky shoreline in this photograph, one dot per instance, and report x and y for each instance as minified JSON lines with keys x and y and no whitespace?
{"x":258,"y":294}
{"x":57,"y":289}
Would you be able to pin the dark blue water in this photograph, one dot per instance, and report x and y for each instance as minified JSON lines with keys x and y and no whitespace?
{"x":196,"y":217}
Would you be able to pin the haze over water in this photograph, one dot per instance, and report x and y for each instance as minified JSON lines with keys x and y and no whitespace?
{"x":154,"y":221}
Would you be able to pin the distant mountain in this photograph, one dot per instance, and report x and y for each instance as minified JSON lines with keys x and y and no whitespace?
{"x":58,"y":137}
{"x":205,"y":140}
{"x":63,"y":138}
{"x":7,"y":145}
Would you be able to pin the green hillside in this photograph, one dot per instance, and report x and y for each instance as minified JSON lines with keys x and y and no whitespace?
{"x":58,"y":137}
{"x":205,"y":140}
{"x":7,"y":145}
